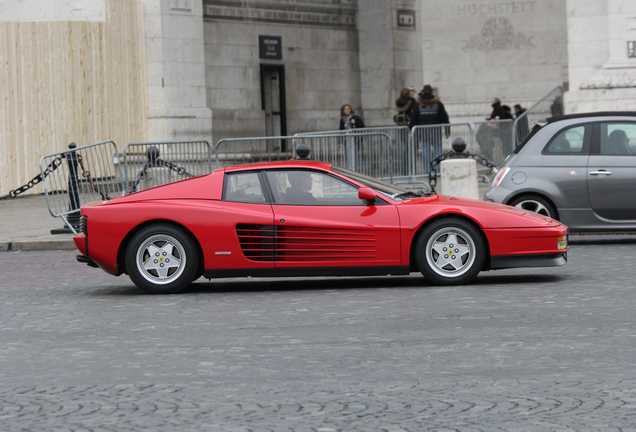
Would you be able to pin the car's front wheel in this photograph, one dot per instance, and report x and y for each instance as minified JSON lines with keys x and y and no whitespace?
{"x":162,"y":258}
{"x":450,"y":251}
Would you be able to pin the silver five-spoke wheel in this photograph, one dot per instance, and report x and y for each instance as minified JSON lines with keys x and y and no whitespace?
{"x":534,"y":206}
{"x":450,"y":252}
{"x":161,"y":259}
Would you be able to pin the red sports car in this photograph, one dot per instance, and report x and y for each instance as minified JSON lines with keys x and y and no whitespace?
{"x":300,"y":218}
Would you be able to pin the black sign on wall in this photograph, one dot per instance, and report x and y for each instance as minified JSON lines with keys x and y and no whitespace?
{"x":406,"y":18}
{"x":270,"y":47}
{"x":631,"y":49}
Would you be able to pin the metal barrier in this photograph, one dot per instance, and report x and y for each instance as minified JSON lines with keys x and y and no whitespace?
{"x":367,"y":153}
{"x":149,"y":164}
{"x":430,"y":141}
{"x":550,"y":105}
{"x":233,"y":151}
{"x":78,"y":176}
{"x":399,"y":152}
{"x":494,"y":139}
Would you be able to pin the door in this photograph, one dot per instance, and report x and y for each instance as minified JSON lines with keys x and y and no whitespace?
{"x":273,"y":99}
{"x":246,"y":239}
{"x":321,"y":223}
{"x":612,"y":171}
{"x":562,"y":170}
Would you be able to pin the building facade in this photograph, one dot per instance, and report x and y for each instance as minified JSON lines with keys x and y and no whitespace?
{"x":131,"y":70}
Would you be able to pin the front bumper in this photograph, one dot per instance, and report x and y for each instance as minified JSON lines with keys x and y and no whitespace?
{"x":86,"y":260}
{"x":521,"y":261}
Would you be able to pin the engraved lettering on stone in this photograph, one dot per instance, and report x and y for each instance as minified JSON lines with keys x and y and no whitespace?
{"x":496,"y":9}
{"x":336,"y":13}
{"x":498,"y":34}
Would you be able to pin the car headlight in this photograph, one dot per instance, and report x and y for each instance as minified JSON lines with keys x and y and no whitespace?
{"x":499,"y":178}
{"x":562,"y":243}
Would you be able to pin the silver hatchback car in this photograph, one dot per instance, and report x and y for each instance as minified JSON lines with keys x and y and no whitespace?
{"x":579,"y":169}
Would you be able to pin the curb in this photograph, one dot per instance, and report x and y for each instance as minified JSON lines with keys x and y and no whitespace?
{"x":601,"y":240}
{"x":37,"y":245}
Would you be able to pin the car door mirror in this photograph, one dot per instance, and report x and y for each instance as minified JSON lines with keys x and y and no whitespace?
{"x":367,"y":194}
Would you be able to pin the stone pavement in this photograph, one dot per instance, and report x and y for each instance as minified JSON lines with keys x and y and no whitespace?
{"x":529,"y":350}
{"x":25,"y":224}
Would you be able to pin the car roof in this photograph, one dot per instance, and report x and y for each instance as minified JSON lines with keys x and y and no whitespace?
{"x":592,"y":115}
{"x":278,"y":165}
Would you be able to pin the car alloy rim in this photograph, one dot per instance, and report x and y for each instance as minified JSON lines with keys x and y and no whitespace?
{"x":161,"y":259}
{"x":534,"y":207}
{"x":450,"y":252}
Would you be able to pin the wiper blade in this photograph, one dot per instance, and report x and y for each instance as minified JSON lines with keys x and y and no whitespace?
{"x":406,"y":195}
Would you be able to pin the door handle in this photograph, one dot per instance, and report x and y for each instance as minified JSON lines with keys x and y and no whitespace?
{"x":601,"y":173}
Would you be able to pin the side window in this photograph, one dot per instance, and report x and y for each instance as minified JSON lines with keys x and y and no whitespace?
{"x":569,"y":141}
{"x":243,"y":187}
{"x":303,"y":187}
{"x":618,"y":139}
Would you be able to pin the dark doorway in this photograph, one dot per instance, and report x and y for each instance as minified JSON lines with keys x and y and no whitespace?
{"x":273,"y":99}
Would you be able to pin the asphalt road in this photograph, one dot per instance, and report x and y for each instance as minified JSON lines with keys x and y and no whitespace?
{"x":523,"y":350}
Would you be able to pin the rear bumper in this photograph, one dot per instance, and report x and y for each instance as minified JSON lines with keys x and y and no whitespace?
{"x":519,"y":261}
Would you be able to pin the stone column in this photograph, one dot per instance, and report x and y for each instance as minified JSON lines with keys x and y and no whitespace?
{"x":375,"y":34}
{"x":602,"y":76}
{"x":177,"y":102}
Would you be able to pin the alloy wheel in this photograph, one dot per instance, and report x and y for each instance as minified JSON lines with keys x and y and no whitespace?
{"x":450,"y":252}
{"x":161,"y":259}
{"x":534,"y":207}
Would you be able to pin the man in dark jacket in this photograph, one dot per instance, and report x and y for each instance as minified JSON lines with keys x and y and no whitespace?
{"x":430,"y":111}
{"x":498,"y":110}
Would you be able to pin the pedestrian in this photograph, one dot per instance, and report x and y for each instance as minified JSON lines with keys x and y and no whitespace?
{"x":506,"y":113}
{"x":523,"y":127}
{"x":497,"y":110}
{"x":406,"y":105}
{"x":349,"y":119}
{"x":430,"y":111}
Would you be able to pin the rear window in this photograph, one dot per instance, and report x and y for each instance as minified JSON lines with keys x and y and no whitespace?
{"x":569,"y":141}
{"x":243,"y":187}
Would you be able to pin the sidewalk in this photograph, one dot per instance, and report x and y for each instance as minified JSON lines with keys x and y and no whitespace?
{"x":25,"y":225}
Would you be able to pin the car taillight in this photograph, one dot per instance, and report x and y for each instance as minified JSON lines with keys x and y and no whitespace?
{"x":503,"y":172}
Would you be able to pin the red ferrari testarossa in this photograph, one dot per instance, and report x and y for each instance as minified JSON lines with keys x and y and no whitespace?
{"x":300,"y":218}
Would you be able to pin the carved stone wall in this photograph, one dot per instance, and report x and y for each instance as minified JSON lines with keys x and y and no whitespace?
{"x":337,"y":13}
{"x":474,"y":50}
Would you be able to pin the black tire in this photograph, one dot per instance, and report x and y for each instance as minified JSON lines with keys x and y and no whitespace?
{"x":550,"y":211}
{"x":184,"y":244}
{"x":471,"y":263}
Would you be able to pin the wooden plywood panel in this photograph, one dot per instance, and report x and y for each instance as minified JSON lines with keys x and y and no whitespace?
{"x":68,"y":82}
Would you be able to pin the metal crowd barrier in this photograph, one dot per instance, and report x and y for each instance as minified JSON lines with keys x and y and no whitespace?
{"x":367,"y":153}
{"x":429,"y":142}
{"x":494,"y":139}
{"x":149,"y":164}
{"x":548,"y":106}
{"x":78,"y":176}
{"x":399,"y":151}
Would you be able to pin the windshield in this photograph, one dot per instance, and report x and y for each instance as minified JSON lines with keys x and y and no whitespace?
{"x":389,"y":190}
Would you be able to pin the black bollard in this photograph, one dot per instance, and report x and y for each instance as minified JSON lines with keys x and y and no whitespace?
{"x":73,"y":217}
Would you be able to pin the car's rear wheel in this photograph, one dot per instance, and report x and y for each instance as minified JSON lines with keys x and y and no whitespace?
{"x":450,"y":251}
{"x":162,"y":258}
{"x":535,"y":204}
